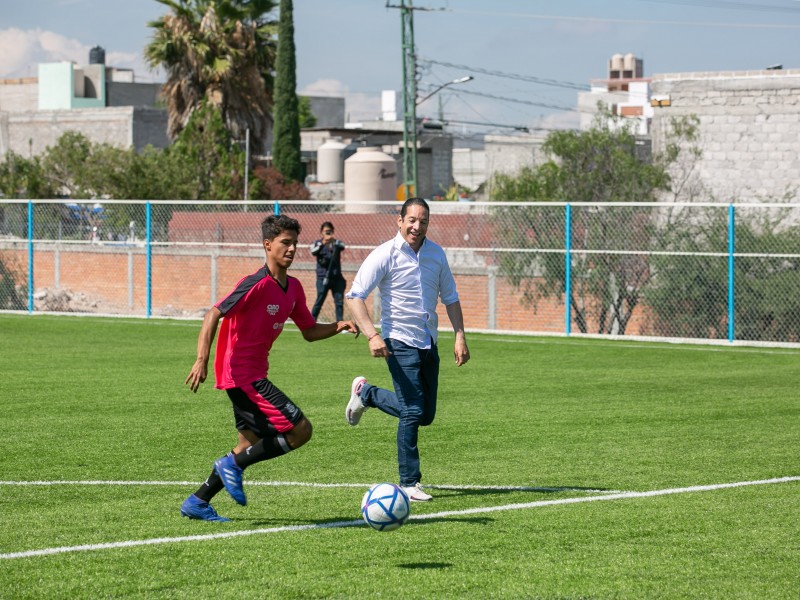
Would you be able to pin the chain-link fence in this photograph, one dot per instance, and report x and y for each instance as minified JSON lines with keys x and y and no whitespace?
{"x":685,"y":271}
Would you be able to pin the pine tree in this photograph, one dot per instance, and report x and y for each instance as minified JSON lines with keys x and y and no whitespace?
{"x":286,"y":143}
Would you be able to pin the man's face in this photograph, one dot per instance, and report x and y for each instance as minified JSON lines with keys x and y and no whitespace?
{"x":281,"y":249}
{"x":414,"y":226}
{"x":327,"y":234}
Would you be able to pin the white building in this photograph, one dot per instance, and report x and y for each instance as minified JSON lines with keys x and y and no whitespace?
{"x":626,"y":93}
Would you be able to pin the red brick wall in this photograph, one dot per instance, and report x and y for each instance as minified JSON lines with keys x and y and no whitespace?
{"x":181,"y":285}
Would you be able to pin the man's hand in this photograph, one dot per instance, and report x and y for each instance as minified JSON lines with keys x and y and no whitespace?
{"x":460,"y":351}
{"x":348,"y":326}
{"x":377,"y":347}
{"x":197,"y":375}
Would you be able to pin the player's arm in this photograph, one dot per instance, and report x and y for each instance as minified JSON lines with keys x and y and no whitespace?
{"x":460,"y":350}
{"x":199,"y":370}
{"x":322,"y":331}
{"x":377,"y":347}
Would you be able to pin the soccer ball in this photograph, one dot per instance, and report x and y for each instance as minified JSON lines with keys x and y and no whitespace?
{"x":385,"y":506}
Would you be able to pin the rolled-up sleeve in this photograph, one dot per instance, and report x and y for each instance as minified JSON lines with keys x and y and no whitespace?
{"x":370,"y":273}
{"x":447,"y":285}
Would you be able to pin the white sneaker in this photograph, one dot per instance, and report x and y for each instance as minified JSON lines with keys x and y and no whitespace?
{"x":415,"y":493}
{"x":355,"y":407}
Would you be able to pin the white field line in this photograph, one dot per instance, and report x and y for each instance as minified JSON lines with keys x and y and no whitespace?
{"x":336,"y":524}
{"x":499,"y":488}
{"x":641,"y":342}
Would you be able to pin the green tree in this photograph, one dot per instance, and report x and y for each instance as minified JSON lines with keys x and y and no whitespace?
{"x":286,"y":143}
{"x":66,"y":165}
{"x":22,"y":177}
{"x":306,"y":117}
{"x":599,"y":165}
{"x":205,"y":159}
{"x":220,"y":51}
{"x":688,"y":294}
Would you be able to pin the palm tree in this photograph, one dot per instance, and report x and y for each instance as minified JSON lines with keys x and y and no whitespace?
{"x":219,"y":52}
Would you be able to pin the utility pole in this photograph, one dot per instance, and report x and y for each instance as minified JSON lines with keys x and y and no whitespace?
{"x":409,"y":96}
{"x":409,"y":100}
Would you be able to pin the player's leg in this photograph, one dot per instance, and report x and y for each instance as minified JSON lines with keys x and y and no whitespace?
{"x":197,"y":505}
{"x":430,"y":384}
{"x":271,"y":421}
{"x":410,"y":367}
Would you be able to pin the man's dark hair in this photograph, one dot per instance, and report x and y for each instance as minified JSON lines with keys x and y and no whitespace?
{"x":327,"y":225}
{"x":410,"y":202}
{"x":273,"y":225}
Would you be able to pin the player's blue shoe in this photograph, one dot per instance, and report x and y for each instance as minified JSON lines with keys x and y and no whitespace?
{"x":194,"y":508}
{"x":231,"y":475}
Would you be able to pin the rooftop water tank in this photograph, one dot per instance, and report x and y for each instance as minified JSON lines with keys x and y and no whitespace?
{"x":97,"y":56}
{"x":369,"y":175}
{"x":330,"y":161}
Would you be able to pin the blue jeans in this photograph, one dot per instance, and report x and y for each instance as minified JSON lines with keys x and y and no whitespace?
{"x":336,"y":286}
{"x":415,"y":374}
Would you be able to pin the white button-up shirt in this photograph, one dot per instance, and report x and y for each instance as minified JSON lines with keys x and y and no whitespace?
{"x":410,"y":285}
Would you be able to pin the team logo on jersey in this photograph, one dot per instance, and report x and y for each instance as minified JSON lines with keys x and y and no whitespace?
{"x":273,"y":309}
{"x":277,"y":325}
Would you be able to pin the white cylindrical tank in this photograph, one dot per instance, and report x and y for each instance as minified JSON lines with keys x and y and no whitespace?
{"x":368,"y":175}
{"x":330,"y":161}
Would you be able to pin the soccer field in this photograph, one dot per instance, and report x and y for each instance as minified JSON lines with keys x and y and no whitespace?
{"x":561,"y":468}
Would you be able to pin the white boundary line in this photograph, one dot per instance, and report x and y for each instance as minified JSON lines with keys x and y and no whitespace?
{"x":499,"y":488}
{"x":336,"y":524}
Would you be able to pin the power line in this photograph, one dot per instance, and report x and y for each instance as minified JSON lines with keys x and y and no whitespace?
{"x":726,"y":4}
{"x":629,"y":21}
{"x":506,"y":99}
{"x":529,"y":78}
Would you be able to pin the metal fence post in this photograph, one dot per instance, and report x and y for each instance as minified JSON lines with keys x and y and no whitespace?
{"x":149,"y":247}
{"x":731,"y":249}
{"x":568,"y":269}
{"x":30,"y":256}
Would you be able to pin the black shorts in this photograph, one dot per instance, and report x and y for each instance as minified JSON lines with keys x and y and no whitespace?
{"x":263,"y":409}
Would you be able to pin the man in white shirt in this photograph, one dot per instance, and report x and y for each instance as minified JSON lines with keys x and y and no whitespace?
{"x":411,"y":272}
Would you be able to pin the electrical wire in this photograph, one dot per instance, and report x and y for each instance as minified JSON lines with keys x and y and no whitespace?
{"x":529,"y":78}
{"x":628,"y":21}
{"x":727,"y":4}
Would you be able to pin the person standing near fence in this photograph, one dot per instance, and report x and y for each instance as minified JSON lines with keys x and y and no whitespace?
{"x":269,"y":424}
{"x":328,"y":252}
{"x":412,"y":273}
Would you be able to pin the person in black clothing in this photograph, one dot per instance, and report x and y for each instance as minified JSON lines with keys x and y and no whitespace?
{"x":328,"y":252}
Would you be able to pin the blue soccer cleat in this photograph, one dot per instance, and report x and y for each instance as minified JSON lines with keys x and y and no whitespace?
{"x":194,"y":508}
{"x":231,"y":475}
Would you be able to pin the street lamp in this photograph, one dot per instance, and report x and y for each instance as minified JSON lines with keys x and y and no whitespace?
{"x":410,"y":132}
{"x":464,"y":79}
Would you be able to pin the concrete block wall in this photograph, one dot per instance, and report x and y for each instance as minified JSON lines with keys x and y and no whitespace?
{"x":124,"y":126}
{"x":749,"y":129}
{"x":19,"y":95}
{"x":34,"y":131}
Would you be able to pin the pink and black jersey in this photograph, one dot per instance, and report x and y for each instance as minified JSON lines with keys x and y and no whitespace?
{"x":254,"y":314}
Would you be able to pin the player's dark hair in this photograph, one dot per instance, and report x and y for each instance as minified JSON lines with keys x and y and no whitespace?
{"x":410,"y":202}
{"x":328,"y":225}
{"x":274,"y":225}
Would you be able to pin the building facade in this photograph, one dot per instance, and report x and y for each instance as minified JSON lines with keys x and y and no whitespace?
{"x":749,"y":130}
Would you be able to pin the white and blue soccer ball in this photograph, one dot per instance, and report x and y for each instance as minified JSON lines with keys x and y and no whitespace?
{"x":385,"y":506}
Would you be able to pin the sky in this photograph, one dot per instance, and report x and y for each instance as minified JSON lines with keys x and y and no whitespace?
{"x":528,"y":58}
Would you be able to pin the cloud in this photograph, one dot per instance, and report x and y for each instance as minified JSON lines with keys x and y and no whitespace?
{"x":560,"y":120}
{"x":358,"y":105}
{"x":22,"y":50}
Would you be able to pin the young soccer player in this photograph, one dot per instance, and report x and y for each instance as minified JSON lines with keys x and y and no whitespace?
{"x":269,"y":424}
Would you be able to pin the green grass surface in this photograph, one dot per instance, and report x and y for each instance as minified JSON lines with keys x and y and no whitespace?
{"x":89,"y":399}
